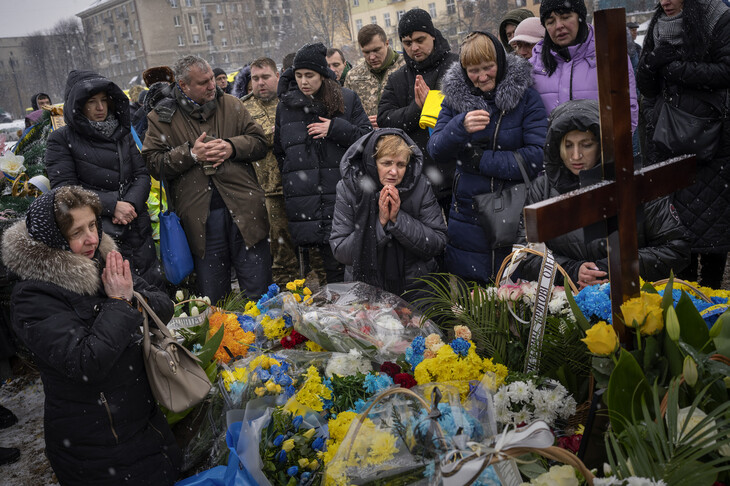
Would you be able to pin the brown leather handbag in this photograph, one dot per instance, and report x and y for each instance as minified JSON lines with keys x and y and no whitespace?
{"x":177,"y":380}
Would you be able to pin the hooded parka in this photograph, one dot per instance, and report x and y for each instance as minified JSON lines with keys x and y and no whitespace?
{"x":111,"y":166}
{"x":102,"y":424}
{"x":310,"y":168}
{"x":419,"y":228}
{"x":519,"y":123}
{"x":662,"y":240}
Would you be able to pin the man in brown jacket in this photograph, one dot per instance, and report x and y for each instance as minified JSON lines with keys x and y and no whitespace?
{"x":202,"y":142}
{"x":261,"y":104}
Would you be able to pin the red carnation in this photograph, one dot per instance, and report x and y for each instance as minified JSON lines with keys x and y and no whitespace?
{"x":389,"y":368}
{"x":571,"y":443}
{"x":292,"y":340}
{"x":404,"y":380}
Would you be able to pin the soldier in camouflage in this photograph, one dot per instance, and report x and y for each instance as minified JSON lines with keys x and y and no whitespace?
{"x":368,"y":78}
{"x":261,"y":104}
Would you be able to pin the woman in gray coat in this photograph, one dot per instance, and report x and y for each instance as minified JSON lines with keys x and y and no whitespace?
{"x":387,"y":226}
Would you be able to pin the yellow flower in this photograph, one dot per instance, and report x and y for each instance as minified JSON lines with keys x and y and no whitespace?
{"x":303,"y":462}
{"x":601,"y":339}
{"x":288,"y":445}
{"x":312,"y":346}
{"x":306,"y":291}
{"x":260,"y":391}
{"x":644,"y":312}
{"x":251,"y":309}
{"x":314,"y":464}
{"x":297,"y":297}
{"x":291,"y":287}
{"x":308,"y":434}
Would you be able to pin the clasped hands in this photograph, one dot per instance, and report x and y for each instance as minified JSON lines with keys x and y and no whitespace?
{"x":117,"y":277}
{"x":388,"y":204}
{"x":476,"y":120}
{"x":213,"y":152}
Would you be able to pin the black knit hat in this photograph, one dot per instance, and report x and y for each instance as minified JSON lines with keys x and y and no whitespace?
{"x":547,"y":7}
{"x":414,"y":20}
{"x":314,"y":57}
{"x":218,"y":71}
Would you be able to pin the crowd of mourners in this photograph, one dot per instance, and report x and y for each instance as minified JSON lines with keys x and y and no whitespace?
{"x":335,"y":169}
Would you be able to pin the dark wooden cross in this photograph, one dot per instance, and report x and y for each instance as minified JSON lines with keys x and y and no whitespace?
{"x":617,"y":200}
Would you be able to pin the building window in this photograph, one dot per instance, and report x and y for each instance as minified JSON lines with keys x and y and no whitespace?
{"x":131,"y":7}
{"x":249,"y":23}
{"x":450,"y":7}
{"x":176,"y":20}
{"x":386,"y":19}
{"x":224,"y":42}
{"x":218,"y":8}
{"x":221,"y":25}
{"x":180,"y":41}
{"x":535,"y":2}
{"x":238,"y":41}
{"x":432,"y":10}
{"x":196,"y":39}
{"x":520,"y":3}
{"x":188,"y":3}
{"x":355,"y":3}
{"x":173,"y":3}
{"x":373,"y":19}
{"x":400,"y":14}
{"x":358,"y":24}
{"x":136,"y":25}
{"x":191,"y":19}
{"x":226,"y":60}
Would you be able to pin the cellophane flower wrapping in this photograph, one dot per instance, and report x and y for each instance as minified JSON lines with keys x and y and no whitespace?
{"x":400,"y":441}
{"x":358,"y":316}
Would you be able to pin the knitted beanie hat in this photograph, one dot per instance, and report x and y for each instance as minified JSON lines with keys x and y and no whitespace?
{"x":314,"y":57}
{"x":414,"y":20}
{"x":547,"y":7}
{"x":218,"y":71}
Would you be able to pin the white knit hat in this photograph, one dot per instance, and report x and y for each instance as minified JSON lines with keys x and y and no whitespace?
{"x":529,"y":30}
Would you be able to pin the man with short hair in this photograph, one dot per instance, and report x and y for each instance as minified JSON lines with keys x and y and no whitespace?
{"x":261,"y":104}
{"x":221,"y":80}
{"x":202,"y":141}
{"x":368,"y":78}
{"x":337,"y":63}
{"x":427,"y":58}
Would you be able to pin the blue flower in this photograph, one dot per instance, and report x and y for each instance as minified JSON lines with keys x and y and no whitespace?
{"x":360,"y":405}
{"x":263,"y":374}
{"x":305,"y":477}
{"x":419,"y":344}
{"x":377,"y":383}
{"x":273,"y":290}
{"x":288,"y":321}
{"x":488,"y":478}
{"x":281,"y":456}
{"x":430,"y":470}
{"x":247,"y":323}
{"x":413,"y":358}
{"x":290,"y":391}
{"x":297,"y":422}
{"x":197,"y":347}
{"x":318,"y":444}
{"x":595,"y":301}
{"x":293,"y":471}
{"x":279,"y":439}
{"x":282,"y":379}
{"x":460,"y":346}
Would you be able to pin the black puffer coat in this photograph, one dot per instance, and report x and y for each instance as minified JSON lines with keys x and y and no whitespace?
{"x":663,"y":242}
{"x":697,"y":79}
{"x":102,"y":425}
{"x":310,"y":168}
{"x":398,"y":108}
{"x":420,"y":227}
{"x":78,"y":154}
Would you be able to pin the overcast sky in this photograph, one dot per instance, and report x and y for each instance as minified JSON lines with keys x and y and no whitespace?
{"x":21,"y":17}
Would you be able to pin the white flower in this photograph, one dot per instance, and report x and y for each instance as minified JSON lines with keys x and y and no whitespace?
{"x":347,"y":364}
{"x":690,"y":423}
{"x":183,"y":314}
{"x":206,"y":299}
{"x":179,"y":295}
{"x":557,"y":476}
{"x":501,"y":399}
{"x":12,"y":164}
{"x":523,"y":416}
{"x":194,"y":311}
{"x":724,"y":450}
{"x":520,"y":391}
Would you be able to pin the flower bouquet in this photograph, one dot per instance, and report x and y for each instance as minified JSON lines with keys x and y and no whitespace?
{"x":358,"y":316}
{"x":190,"y":310}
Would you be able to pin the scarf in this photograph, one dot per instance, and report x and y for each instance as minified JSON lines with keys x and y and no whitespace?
{"x":107,"y":126}
{"x":192,"y":108}
{"x":441,"y":48}
{"x":389,"y":60}
{"x":669,"y":30}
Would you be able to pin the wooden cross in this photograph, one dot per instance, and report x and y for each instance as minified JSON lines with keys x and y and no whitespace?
{"x":615,"y":201}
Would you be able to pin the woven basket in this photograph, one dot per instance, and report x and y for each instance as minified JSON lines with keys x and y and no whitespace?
{"x":686,"y":284}
{"x":506,"y":261}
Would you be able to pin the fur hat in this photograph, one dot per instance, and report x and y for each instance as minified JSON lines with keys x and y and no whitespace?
{"x":314,"y":57}
{"x":414,"y":20}
{"x":156,"y":74}
{"x":547,"y":7}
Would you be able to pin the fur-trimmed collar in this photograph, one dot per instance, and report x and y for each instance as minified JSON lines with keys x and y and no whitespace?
{"x":33,"y":260}
{"x":459,"y":92}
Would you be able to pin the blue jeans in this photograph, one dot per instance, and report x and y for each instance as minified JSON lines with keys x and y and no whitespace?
{"x":225,"y":248}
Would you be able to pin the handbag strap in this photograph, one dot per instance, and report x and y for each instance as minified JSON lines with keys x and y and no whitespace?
{"x":521,"y":164}
{"x":147,"y":311}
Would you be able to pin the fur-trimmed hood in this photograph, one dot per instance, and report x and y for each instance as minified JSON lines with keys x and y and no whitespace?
{"x":461,"y":95}
{"x":32,"y":260}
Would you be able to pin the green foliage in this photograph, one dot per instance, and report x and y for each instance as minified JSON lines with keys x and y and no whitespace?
{"x":665,"y":448}
{"x":626,"y":389}
{"x":720,"y":334}
{"x":693,"y":328}
{"x":580,"y":319}
{"x":346,"y":390}
{"x":210,"y":347}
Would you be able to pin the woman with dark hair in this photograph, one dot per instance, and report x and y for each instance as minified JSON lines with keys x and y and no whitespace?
{"x":74,"y":309}
{"x":387,"y":226}
{"x":316,"y":121}
{"x":686,"y":63}
{"x":490,"y":121}
{"x":564,"y":62}
{"x":572,"y":159}
{"x":96,"y":150}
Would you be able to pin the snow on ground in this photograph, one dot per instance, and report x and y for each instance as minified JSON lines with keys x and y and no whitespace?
{"x":24,"y":396}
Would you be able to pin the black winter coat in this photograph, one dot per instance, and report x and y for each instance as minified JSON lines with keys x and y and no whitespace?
{"x":78,"y":154}
{"x":100,"y":415}
{"x":398,"y":109}
{"x":696,"y":78}
{"x":662,"y":240}
{"x":310,"y":168}
{"x":419,"y":228}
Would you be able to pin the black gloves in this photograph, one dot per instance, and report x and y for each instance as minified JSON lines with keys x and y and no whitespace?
{"x":661,"y":56}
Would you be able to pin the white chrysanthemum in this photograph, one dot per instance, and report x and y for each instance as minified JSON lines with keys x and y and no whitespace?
{"x":501,"y":399}
{"x":520,"y":391}
{"x":503,"y":416}
{"x":522,"y":416}
{"x":347,"y":364}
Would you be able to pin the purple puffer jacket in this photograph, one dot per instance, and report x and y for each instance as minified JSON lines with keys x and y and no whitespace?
{"x":577,"y":79}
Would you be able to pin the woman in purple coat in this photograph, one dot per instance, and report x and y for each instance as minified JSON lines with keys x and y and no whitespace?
{"x":564,"y":62}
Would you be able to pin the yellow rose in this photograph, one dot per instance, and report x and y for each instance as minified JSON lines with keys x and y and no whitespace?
{"x":288,"y":445}
{"x":291,"y":287}
{"x":644,"y":312}
{"x":601,"y":339}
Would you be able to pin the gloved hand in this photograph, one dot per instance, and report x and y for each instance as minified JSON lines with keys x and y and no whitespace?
{"x":661,"y":56}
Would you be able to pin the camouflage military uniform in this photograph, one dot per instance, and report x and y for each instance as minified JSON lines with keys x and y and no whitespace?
{"x":285,"y":267}
{"x":369,"y":86}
